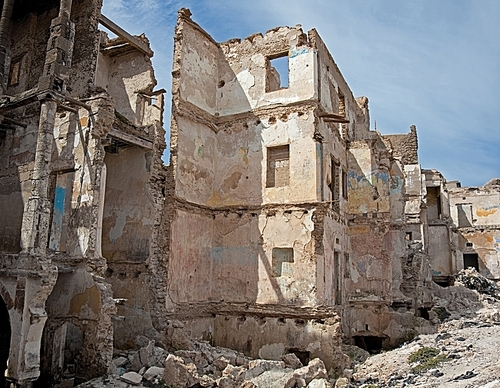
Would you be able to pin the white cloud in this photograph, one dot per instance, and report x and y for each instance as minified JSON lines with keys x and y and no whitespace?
{"x":433,"y":64}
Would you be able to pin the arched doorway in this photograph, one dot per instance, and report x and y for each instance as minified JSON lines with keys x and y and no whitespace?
{"x":4,"y":340}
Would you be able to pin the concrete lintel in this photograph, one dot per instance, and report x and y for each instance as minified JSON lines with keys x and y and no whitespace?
{"x":128,"y":138}
{"x":110,"y":25}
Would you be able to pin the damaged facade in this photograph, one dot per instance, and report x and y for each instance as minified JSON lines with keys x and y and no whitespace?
{"x":283,"y":224}
{"x":77,"y":111}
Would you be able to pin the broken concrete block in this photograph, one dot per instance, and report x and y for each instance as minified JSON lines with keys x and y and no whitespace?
{"x":178,"y":374}
{"x":234,"y":372}
{"x":342,"y":383}
{"x":320,"y":383}
{"x":221,"y":363}
{"x":292,"y":361}
{"x":153,"y":372}
{"x":266,"y":364}
{"x":120,"y":361}
{"x":131,"y":378}
{"x":314,"y":370}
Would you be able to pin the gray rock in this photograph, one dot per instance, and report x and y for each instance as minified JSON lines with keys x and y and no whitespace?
{"x":131,"y":378}
{"x":292,"y":361}
{"x":153,"y":372}
{"x":320,"y":383}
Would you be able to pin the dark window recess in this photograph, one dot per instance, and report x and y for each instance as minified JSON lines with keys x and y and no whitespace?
{"x":423,"y":312}
{"x":343,"y":126}
{"x":469,"y":244}
{"x":277,"y":72}
{"x":334,"y":184}
{"x":409,"y":236}
{"x":278,"y":166}
{"x":471,"y":260}
{"x":344,"y":184}
{"x":433,"y":203}
{"x":281,"y":259}
{"x":337,"y":277}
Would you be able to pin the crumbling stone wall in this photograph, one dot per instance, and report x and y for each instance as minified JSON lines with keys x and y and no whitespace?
{"x":237,"y":237}
{"x":56,"y":131}
{"x":474,"y":211}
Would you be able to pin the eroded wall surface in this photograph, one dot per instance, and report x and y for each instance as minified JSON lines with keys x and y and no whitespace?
{"x":257,"y":174}
{"x":475,"y":214}
{"x":58,"y":125}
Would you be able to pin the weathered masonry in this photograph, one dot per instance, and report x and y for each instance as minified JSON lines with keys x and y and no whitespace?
{"x":283,"y":223}
{"x":287,"y":214}
{"x":80,"y":136}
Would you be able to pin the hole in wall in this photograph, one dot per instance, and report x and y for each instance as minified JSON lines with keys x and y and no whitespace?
{"x":423,"y":312}
{"x":302,"y":355}
{"x":371,"y":344}
{"x":277,"y":72}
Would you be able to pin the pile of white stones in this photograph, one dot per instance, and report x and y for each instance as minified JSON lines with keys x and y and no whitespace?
{"x":207,"y":366}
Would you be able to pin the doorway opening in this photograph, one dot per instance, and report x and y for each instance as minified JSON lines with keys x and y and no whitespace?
{"x":371,"y":344}
{"x":471,"y":260}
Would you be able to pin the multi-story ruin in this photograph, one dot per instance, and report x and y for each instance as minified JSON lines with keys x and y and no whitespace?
{"x":80,"y":142}
{"x":283,"y":223}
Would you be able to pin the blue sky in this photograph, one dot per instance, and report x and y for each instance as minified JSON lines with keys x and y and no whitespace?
{"x":432,"y":63}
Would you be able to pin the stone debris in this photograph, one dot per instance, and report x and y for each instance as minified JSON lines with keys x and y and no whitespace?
{"x":467,"y":348}
{"x":473,"y":280}
{"x":132,"y":378}
{"x":206,"y":366}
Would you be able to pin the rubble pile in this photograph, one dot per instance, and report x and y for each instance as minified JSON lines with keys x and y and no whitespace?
{"x":464,"y":352}
{"x":207,"y":366}
{"x":473,"y":280}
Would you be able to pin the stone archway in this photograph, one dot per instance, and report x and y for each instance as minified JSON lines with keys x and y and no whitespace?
{"x":5,"y":332}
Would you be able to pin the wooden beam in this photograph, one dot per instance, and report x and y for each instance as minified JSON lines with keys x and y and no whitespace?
{"x":131,"y":139}
{"x":343,"y":121}
{"x":332,"y":116}
{"x":134,"y":41}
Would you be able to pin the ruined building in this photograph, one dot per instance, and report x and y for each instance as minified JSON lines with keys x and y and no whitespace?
{"x":80,"y":138}
{"x":282,"y":224}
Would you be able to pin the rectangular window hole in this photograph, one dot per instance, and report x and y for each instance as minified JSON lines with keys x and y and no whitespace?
{"x":277,"y":72}
{"x":281,"y":262}
{"x":278,"y":166}
{"x":471,"y":260}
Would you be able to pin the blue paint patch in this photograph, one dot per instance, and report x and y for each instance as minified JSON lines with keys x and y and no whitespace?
{"x":396,"y":185}
{"x":297,"y":52}
{"x":436,"y":273}
{"x":496,"y":244}
{"x":59,"y":199}
{"x":57,"y":218}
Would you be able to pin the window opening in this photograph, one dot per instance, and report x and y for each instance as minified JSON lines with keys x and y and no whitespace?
{"x":278,"y":166}
{"x":15,"y":72}
{"x":337,"y":278}
{"x":277,"y":72}
{"x":423,"y":312}
{"x":469,"y":244}
{"x":334,"y":184}
{"x":464,"y":211}
{"x":344,"y":184}
{"x":282,"y":259}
